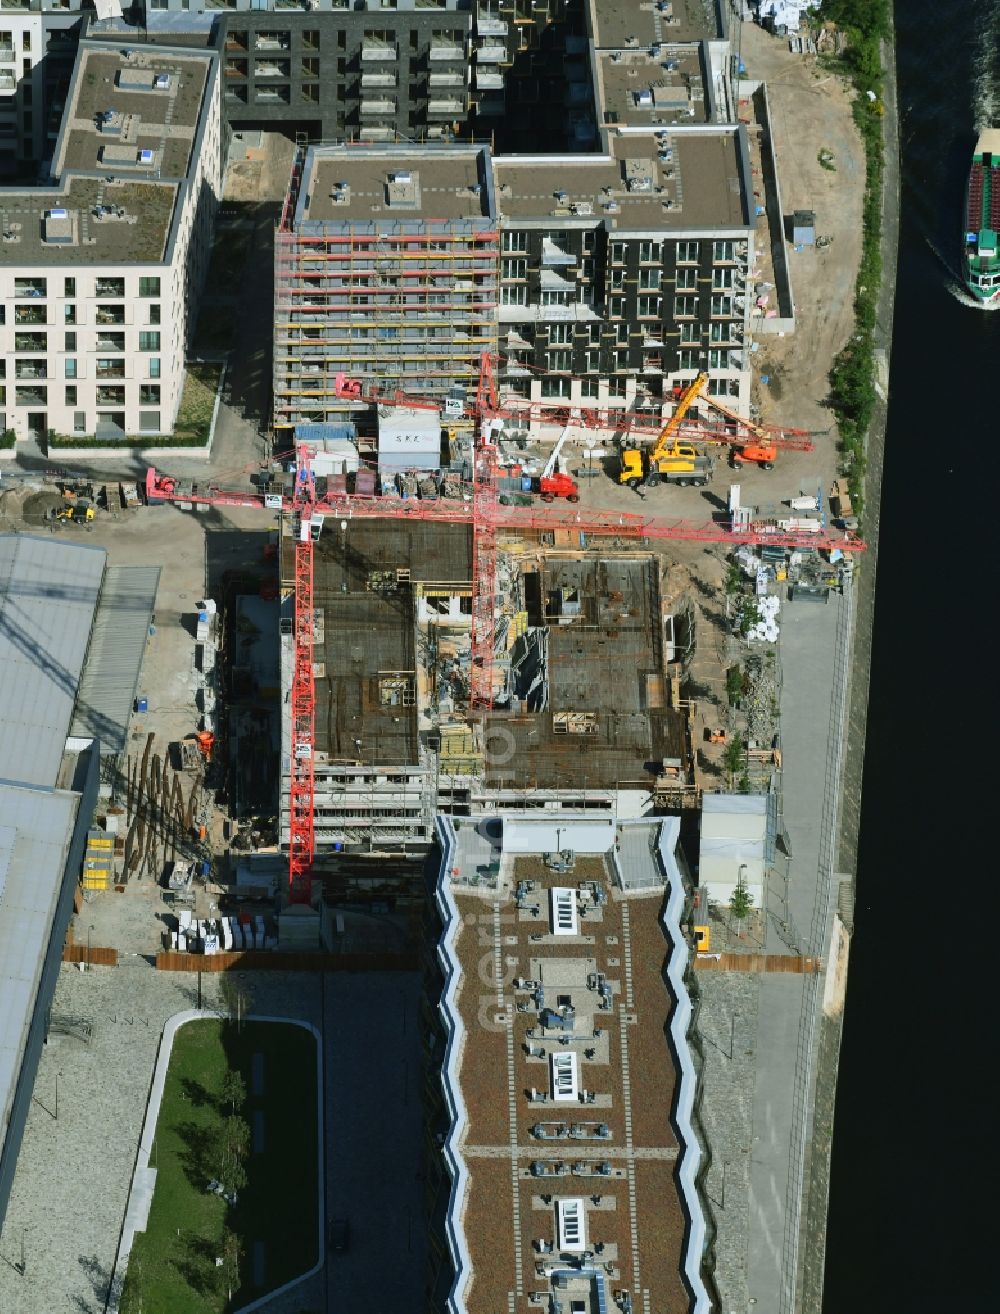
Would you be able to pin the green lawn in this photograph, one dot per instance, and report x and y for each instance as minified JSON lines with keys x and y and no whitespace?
{"x":172,"y":1265}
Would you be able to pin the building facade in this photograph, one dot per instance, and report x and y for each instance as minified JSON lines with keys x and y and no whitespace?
{"x":102,"y":270}
{"x":386,"y":268}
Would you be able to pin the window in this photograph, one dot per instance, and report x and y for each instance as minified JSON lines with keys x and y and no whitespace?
{"x":649,"y":307}
{"x":559,"y":334}
{"x":718,"y":359}
{"x":690,"y":334}
{"x":154,"y":313}
{"x":723,"y":278}
{"x":621,"y":334}
{"x":592,"y":361}
{"x":723,"y":388}
{"x":650,"y":278}
{"x":30,"y":287}
{"x":616,"y":278}
{"x":553,"y":298}
{"x":149,"y":394}
{"x":685,"y":307}
{"x":108,"y":367}
{"x":616,"y":388}
{"x":721,"y":333}
{"x":148,"y":287}
{"x":69,"y":367}
{"x":649,"y":252}
{"x":514,"y":296}
{"x":617,"y":253}
{"x":594,"y":334}
{"x":555,"y":388}
{"x":514,"y":242}
{"x":687,"y":360}
{"x":111,"y":287}
{"x":723,"y":251}
{"x":34,"y":395}
{"x":559,"y":360}
{"x":149,"y":342}
{"x":590,"y":240}
{"x":616,"y":307}
{"x":69,"y":287}
{"x":687,"y":280}
{"x":79,"y":421}
{"x":688,"y":253}
{"x":513,"y":269}
{"x":69,"y":313}
{"x":589,"y":389}
{"x":154,"y":367}
{"x":722,"y":307}
{"x":71,"y":395}
{"x":69,"y":342}
{"x":149,"y":421}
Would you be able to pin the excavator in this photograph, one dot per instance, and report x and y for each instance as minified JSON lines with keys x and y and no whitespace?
{"x":668,"y":460}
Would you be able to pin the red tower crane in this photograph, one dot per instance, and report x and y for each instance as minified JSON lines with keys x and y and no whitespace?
{"x":302,"y":786}
{"x":483,"y":509}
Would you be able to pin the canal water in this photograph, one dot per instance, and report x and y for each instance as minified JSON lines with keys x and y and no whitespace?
{"x":911,"y":1195}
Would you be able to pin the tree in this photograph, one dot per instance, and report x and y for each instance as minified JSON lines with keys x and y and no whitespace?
{"x":237,"y":998}
{"x":232,"y":1257}
{"x":741,"y":900}
{"x":229,"y":1151}
{"x":234,"y":1090}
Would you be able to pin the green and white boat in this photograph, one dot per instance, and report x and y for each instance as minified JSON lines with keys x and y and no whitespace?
{"x":982,"y":220}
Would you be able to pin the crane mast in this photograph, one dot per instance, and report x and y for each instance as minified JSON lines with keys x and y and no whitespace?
{"x":302,"y":785}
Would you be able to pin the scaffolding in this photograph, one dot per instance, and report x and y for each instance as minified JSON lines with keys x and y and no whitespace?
{"x":390,"y":304}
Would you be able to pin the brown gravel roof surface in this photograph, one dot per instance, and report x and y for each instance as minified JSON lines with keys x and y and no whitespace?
{"x":634,"y":1237}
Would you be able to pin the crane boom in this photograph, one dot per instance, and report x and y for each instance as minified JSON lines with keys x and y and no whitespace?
{"x":669,"y":431}
{"x":621,"y":524}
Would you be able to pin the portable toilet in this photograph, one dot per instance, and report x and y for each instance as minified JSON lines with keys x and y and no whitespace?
{"x":804,"y":228}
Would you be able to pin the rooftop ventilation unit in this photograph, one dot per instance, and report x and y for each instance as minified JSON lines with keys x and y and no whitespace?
{"x":570,"y":1224}
{"x":565,"y":919}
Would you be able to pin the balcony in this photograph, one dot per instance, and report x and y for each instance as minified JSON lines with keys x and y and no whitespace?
{"x":25,"y":288}
{"x":111,"y":396}
{"x":110,"y":287}
{"x":29,"y":315}
{"x":29,"y":342}
{"x":449,"y":79}
{"x":446,"y":50}
{"x":8,"y":55}
{"x":111,"y":369}
{"x":272,"y":95}
{"x":31,"y":396}
{"x":269,"y":41}
{"x":110,"y":315}
{"x":24,"y":369}
{"x":491,"y":52}
{"x":373,"y":107}
{"x":379,"y":80}
{"x":376,"y":51}
{"x":111,"y":342}
{"x":445,"y":107}
{"x":554,"y":256}
{"x":489,"y":79}
{"x":490,"y":25}
{"x":271,"y":68}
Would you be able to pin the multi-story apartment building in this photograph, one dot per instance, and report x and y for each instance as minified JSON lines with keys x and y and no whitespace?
{"x":624,"y":273}
{"x":101,"y":271}
{"x":378,"y":70}
{"x":386,"y":266}
{"x":38,"y":40}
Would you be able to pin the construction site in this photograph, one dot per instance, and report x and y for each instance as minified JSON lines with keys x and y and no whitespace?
{"x":494,"y":663}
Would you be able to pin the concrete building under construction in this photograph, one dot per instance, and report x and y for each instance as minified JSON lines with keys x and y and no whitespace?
{"x":386,"y":265}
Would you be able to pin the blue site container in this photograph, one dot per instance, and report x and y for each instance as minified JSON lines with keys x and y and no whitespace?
{"x":142,"y":704}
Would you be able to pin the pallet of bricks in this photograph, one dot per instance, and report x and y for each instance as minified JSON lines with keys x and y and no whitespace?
{"x":98,"y":860}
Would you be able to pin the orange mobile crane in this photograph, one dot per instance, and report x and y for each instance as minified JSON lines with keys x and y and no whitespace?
{"x":483,"y":510}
